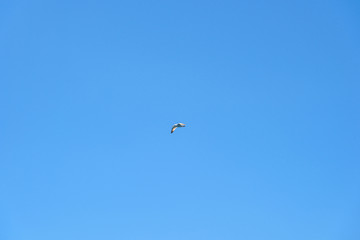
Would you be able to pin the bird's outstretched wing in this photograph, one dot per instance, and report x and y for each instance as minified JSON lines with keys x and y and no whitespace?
{"x":173,"y":129}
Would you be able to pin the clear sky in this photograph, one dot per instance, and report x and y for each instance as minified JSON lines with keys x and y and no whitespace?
{"x":269,"y":90}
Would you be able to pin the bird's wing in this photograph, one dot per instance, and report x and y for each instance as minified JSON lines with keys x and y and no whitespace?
{"x":173,"y":129}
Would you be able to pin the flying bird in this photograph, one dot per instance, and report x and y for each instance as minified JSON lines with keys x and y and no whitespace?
{"x":176,"y":126}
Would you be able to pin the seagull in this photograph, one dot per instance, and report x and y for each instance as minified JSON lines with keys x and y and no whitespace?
{"x":176,"y":126}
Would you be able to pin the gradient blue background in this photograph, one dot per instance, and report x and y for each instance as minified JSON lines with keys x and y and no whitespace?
{"x":269,"y":90}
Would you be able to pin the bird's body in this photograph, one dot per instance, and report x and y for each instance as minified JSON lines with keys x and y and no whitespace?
{"x":176,"y":126}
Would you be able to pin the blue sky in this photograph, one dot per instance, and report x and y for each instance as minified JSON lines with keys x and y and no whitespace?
{"x":269,"y":91}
